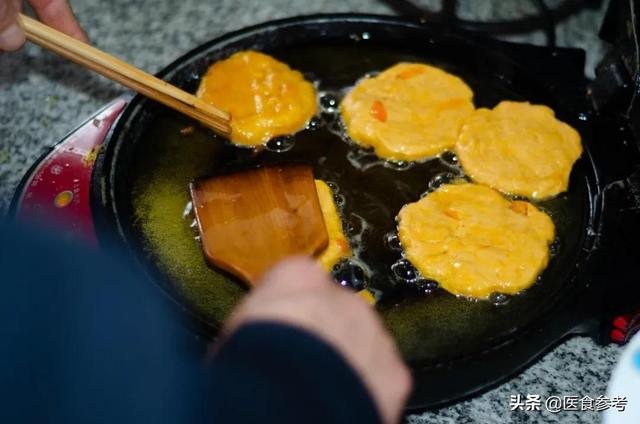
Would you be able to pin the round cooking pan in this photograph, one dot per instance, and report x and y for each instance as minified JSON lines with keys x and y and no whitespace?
{"x":454,"y":346}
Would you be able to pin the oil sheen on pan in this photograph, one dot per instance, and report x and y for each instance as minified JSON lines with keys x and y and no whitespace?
{"x":409,"y":112}
{"x":519,"y":148}
{"x":475,"y":242}
{"x":265,"y":97}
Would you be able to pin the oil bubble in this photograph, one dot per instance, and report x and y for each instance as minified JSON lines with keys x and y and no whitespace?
{"x":404,"y":271}
{"x":333,"y":186}
{"x":355,"y":224}
{"x":336,"y":127}
{"x":281,"y":144}
{"x":329,"y":102}
{"x":429,"y":284}
{"x":514,"y":197}
{"x":426,"y":286}
{"x":554,"y":247}
{"x":187,"y":210}
{"x":362,"y":160}
{"x":449,"y":158}
{"x":440,"y":179}
{"x":468,"y":298}
{"x":398,"y":165}
{"x":349,"y":273}
{"x":314,"y":123}
{"x":339,"y":200}
{"x":392,"y":242}
{"x":194,"y":76}
{"x":499,"y":299}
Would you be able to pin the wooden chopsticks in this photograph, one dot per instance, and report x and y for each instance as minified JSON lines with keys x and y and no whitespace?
{"x":127,"y":75}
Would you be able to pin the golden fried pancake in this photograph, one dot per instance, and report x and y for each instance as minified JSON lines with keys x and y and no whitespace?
{"x":519,"y":148}
{"x":265,"y":97}
{"x":474,"y":242}
{"x":409,"y":112}
{"x":338,"y":247}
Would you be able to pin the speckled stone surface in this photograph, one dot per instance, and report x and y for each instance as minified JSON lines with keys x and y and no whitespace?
{"x":42,"y":97}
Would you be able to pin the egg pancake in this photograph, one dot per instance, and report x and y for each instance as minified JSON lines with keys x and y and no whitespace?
{"x":265,"y":97}
{"x":338,"y":246}
{"x":519,"y":148}
{"x":474,"y":242}
{"x":409,"y":112}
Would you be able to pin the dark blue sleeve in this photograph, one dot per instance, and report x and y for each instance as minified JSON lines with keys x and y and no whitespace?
{"x":280,"y":374}
{"x":84,"y":338}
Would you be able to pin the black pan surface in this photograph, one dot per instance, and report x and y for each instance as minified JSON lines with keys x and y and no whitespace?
{"x":141,"y":189}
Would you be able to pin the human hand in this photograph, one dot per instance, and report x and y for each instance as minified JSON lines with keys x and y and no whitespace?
{"x":55,"y":13}
{"x":298,"y":293}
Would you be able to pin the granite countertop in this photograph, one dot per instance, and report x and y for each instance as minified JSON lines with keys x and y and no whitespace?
{"x":44,"y":96}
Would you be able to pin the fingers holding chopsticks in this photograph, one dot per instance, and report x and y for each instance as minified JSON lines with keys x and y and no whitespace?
{"x":58,"y":14}
{"x":11,"y":35}
{"x":55,"y":13}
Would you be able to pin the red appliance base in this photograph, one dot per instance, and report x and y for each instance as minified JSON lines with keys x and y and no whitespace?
{"x":57,"y":188}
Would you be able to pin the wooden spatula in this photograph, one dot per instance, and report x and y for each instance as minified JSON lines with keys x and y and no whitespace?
{"x":250,"y":220}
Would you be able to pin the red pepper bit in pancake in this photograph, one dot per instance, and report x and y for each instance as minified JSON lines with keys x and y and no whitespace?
{"x":343,"y":245}
{"x":520,"y":207}
{"x":410,"y":73}
{"x":378,"y":111}
{"x":451,"y":213}
{"x":451,"y":104}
